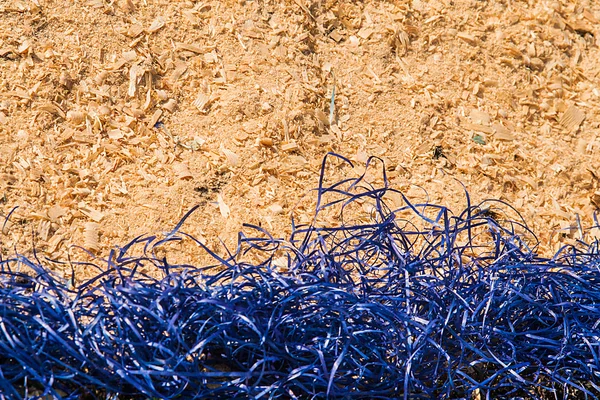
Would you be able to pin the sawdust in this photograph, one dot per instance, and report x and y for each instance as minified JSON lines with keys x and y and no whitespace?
{"x":116,"y":117}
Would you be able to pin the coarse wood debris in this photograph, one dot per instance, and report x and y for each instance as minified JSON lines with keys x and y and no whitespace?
{"x":118,"y":116}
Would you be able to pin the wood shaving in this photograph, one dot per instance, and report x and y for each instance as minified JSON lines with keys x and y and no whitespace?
{"x":170,"y":105}
{"x":472,"y":40}
{"x":91,"y":236}
{"x":76,"y":117}
{"x":53,"y":108}
{"x":479,"y":117}
{"x":203,"y":102}
{"x":292,"y":146}
{"x":55,"y":212}
{"x":182,"y":171}
{"x":267,"y":142}
{"x":572,"y":119}
{"x":92,"y":213}
{"x":502,"y":133}
{"x":223,"y":208}
{"x":134,"y":31}
{"x":158,"y":23}
{"x":233,"y":159}
{"x":154,"y":119}
{"x":135,"y":74}
{"x":115,"y":134}
{"x":189,"y":47}
{"x":54,"y":243}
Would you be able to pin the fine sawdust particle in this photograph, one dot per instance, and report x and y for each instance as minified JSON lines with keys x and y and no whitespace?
{"x":117,"y":117}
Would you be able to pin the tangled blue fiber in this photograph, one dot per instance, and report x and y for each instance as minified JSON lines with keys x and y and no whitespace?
{"x":411,"y":302}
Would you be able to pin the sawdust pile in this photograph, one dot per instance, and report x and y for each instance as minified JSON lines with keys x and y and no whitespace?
{"x":116,"y":117}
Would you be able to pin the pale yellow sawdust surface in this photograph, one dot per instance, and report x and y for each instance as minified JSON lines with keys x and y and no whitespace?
{"x":116,"y":117}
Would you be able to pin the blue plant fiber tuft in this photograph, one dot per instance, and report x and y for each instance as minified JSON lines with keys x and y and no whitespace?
{"x":411,"y":301}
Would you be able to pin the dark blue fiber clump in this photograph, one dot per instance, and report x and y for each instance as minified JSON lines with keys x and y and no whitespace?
{"x":414,"y":303}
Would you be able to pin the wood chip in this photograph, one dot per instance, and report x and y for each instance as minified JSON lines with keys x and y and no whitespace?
{"x":276,"y":208}
{"x":365,"y":33}
{"x":232,"y":159}
{"x":90,"y":212}
{"x":336,"y":36}
{"x":322,"y":117}
{"x":115,"y":134}
{"x":572,"y":119}
{"x":76,"y":117}
{"x":55,"y":212}
{"x":126,"y":5}
{"x":53,"y":108}
{"x":24,"y":47}
{"x":4,"y":51}
{"x":267,"y":142}
{"x":502,"y":133}
{"x":158,"y":23}
{"x":154,"y":119}
{"x":204,"y":101}
{"x":170,"y":105}
{"x":189,"y":47}
{"x":201,"y":101}
{"x":211,"y":58}
{"x":66,"y":80}
{"x":337,"y":131}
{"x":477,"y":127}
{"x":182,"y":171}
{"x":135,"y":30}
{"x":91,"y":236}
{"x":281,"y":263}
{"x":223,"y":208}
{"x":129,"y":56}
{"x":291,"y":146}
{"x":479,"y":117}
{"x":19,"y":93}
{"x":190,"y":15}
{"x":135,"y":73}
{"x":117,"y":65}
{"x":54,"y":243}
{"x":472,"y":40}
